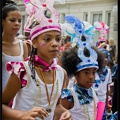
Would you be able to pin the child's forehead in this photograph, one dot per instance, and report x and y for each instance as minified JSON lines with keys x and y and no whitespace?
{"x":89,"y":69}
{"x":50,"y":33}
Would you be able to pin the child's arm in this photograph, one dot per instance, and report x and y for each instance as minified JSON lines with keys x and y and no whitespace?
{"x":61,"y":113}
{"x":12,"y":87}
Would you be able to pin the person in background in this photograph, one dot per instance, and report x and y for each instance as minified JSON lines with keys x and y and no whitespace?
{"x":13,"y":49}
{"x":101,"y":83}
{"x":41,"y":76}
{"x":112,"y":49}
{"x":115,"y":93}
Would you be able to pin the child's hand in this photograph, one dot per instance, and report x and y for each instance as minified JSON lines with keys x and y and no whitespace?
{"x":33,"y":113}
{"x":66,"y":116}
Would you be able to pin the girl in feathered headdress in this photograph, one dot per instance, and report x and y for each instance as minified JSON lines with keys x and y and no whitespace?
{"x":36,"y":84}
{"x":82,"y":61}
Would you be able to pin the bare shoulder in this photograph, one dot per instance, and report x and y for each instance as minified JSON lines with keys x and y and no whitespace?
{"x":26,"y":54}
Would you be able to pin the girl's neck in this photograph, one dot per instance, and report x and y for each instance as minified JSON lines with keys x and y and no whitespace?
{"x":49,"y":61}
{"x":8,"y":38}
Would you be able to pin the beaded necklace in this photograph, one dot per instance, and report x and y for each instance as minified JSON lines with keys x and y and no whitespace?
{"x":86,"y":108}
{"x":48,"y":96}
{"x":36,"y":103}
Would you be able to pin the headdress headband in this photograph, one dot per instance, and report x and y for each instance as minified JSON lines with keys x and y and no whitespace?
{"x":83,"y":32}
{"x":43,"y":14}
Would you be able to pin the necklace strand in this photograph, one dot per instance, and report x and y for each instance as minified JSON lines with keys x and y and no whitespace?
{"x":86,"y":108}
{"x":48,"y":96}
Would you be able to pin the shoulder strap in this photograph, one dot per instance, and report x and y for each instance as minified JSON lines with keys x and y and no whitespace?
{"x":21,"y":47}
{"x":73,"y":94}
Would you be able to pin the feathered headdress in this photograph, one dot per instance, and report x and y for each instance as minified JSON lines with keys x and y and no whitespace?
{"x":104,"y":29}
{"x":43,"y":14}
{"x":83,"y":37}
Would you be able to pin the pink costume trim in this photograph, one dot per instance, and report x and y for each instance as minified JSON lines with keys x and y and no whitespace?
{"x":38,"y":30}
{"x":18,"y":69}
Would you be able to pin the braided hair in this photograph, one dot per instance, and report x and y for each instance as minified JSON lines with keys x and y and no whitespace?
{"x":32,"y":56}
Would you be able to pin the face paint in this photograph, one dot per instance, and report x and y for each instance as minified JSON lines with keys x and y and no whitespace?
{"x":43,"y":44}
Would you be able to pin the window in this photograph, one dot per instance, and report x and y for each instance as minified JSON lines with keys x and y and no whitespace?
{"x":108,"y":16}
{"x":23,"y":22}
{"x":62,"y":17}
{"x":96,"y":17}
{"x":85,"y":16}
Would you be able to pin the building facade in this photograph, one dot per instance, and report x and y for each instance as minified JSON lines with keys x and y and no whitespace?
{"x":85,"y":10}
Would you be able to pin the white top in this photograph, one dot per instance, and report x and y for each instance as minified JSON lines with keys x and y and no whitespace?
{"x":102,"y":88}
{"x":78,"y":111}
{"x":6,"y":58}
{"x":71,"y":82}
{"x":32,"y":95}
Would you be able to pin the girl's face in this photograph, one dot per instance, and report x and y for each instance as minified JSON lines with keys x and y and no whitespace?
{"x":85,"y":78}
{"x":48,"y":45}
{"x":12,"y":22}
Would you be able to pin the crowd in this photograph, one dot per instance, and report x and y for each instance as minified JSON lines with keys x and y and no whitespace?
{"x":49,"y":77}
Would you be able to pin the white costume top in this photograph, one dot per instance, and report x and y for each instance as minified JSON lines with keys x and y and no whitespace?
{"x":102,"y":88}
{"x":71,"y":82}
{"x":78,"y":112}
{"x":6,"y":58}
{"x":32,"y":95}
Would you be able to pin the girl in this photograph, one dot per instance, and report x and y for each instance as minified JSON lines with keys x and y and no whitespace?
{"x":36,"y":84}
{"x":81,"y":99}
{"x":82,"y":62}
{"x":13,"y":49}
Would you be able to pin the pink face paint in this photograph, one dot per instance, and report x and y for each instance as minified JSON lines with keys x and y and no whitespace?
{"x":43,"y":44}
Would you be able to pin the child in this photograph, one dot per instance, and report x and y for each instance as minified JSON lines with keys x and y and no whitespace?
{"x":13,"y":49}
{"x":36,"y":84}
{"x":105,"y":77}
{"x":82,"y":62}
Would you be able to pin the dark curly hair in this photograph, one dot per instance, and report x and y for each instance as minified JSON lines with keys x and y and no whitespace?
{"x":70,"y":60}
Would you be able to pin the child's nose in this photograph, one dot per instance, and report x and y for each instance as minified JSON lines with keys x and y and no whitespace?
{"x":54,"y":43}
{"x":92,"y":76}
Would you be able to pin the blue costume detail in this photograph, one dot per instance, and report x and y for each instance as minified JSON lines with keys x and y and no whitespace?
{"x":85,"y":98}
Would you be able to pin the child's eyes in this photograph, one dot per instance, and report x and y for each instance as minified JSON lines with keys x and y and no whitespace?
{"x":58,"y":39}
{"x":12,"y":20}
{"x":47,"y":39}
{"x":15,"y":20}
{"x":89,"y":73}
{"x":86,"y":72}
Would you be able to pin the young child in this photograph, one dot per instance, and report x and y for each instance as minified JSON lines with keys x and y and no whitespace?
{"x":36,"y":84}
{"x":105,"y":78}
{"x":82,"y":62}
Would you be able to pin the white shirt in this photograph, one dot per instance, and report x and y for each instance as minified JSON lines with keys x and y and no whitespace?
{"x":6,"y":58}
{"x":31,"y":95}
{"x":78,"y":111}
